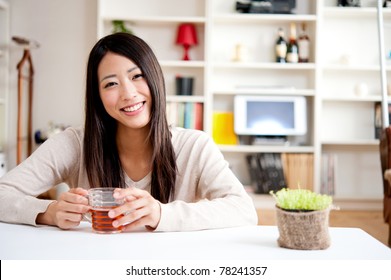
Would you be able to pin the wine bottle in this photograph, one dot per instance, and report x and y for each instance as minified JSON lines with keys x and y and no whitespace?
{"x":304,"y":45}
{"x":281,"y":47}
{"x":292,"y":54}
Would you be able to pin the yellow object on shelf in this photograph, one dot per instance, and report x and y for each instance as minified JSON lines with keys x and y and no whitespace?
{"x":223,"y":128}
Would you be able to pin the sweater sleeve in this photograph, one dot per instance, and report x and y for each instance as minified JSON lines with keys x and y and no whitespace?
{"x":208,"y":194}
{"x":53,"y":162}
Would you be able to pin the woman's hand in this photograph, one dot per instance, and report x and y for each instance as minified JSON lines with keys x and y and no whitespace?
{"x":140,"y":209}
{"x":67,"y":211}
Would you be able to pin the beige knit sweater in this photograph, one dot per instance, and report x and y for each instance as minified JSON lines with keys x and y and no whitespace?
{"x":207,"y":193}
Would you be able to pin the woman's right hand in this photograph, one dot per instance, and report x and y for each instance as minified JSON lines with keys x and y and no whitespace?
{"x":66,"y":212}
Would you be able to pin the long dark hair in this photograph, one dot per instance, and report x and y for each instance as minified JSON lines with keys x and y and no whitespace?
{"x":101,"y":157}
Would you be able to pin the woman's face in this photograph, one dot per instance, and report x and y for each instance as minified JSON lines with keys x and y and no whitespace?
{"x":124,"y":91}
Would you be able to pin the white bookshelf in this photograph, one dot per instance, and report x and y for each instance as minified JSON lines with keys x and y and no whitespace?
{"x":344,"y":52}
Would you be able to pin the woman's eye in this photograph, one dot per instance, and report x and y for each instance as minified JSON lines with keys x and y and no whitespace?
{"x":138,"y":76}
{"x":110,"y":84}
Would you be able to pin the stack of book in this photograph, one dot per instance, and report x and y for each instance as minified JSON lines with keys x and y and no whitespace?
{"x":298,"y":170}
{"x":328,"y":174}
{"x":274,"y":171}
{"x":266,"y":172}
{"x":185,"y":114}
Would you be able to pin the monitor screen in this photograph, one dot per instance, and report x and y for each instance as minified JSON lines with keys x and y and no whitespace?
{"x":270,"y":115}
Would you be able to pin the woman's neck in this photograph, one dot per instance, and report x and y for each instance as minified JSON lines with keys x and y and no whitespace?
{"x":135,"y":152}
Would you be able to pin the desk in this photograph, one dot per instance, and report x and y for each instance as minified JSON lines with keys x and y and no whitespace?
{"x":243,"y":243}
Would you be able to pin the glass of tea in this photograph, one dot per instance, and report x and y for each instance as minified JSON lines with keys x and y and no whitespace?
{"x":102,"y":201}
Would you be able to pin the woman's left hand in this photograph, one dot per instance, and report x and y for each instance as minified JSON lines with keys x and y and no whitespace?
{"x":140,"y":209}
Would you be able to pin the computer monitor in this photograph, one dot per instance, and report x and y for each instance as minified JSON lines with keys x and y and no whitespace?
{"x":260,"y":115}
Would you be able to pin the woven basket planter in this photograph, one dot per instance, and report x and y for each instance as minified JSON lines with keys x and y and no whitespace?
{"x":303,"y":230}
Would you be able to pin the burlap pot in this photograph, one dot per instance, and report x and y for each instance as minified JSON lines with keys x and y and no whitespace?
{"x":303,"y":230}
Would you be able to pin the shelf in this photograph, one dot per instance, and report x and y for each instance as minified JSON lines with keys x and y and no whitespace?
{"x":339,"y":67}
{"x":182,"y":63}
{"x":185,"y":98}
{"x":155,"y":20}
{"x":262,"y":18}
{"x":342,"y":12}
{"x":266,"y":201}
{"x":265,"y":65}
{"x":266,"y":149}
{"x":353,"y":142}
{"x":265,"y":90}
{"x":352,"y":99}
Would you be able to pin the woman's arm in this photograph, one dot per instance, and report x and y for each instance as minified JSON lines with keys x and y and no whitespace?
{"x":57,"y":160}
{"x":208,"y":194}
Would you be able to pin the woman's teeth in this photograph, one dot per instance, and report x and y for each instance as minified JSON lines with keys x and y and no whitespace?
{"x":133,"y":108}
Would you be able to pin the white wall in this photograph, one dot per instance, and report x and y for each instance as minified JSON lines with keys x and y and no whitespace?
{"x":66,"y":31}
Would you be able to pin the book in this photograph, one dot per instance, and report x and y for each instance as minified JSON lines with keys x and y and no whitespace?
{"x":266,"y":172}
{"x":328,"y":173}
{"x":253,"y":171}
{"x":185,"y":114}
{"x":378,"y":120}
{"x":198,"y":116}
{"x":298,"y":169}
{"x":188,"y":115}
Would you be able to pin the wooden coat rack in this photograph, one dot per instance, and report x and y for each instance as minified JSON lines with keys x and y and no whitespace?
{"x":26,"y":61}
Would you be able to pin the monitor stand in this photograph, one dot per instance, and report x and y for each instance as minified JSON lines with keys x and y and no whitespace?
{"x":270,"y":140}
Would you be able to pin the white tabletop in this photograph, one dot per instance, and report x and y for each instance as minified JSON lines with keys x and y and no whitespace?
{"x":243,"y":243}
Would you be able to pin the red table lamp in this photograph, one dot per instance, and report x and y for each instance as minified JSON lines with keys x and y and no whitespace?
{"x":187,"y":37}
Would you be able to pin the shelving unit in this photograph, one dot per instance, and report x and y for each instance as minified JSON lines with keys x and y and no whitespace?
{"x":347,"y":119}
{"x":339,"y":121}
{"x":4,"y":75}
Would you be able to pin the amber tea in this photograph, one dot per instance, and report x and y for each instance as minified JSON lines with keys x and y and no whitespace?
{"x":102,"y":223}
{"x":102,"y":201}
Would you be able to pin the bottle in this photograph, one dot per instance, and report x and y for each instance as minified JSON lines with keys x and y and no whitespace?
{"x":304,"y":45}
{"x":292,"y":54}
{"x":281,"y":47}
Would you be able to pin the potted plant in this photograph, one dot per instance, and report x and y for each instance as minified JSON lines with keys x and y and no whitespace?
{"x":302,"y":219}
{"x":119,"y":26}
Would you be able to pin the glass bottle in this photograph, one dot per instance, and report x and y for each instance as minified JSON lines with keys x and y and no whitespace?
{"x":292,"y":55}
{"x":281,"y":47}
{"x":304,"y":45}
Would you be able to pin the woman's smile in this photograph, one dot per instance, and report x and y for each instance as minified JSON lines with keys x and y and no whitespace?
{"x":134,"y":108}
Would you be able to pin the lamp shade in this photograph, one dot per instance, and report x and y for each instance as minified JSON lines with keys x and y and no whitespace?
{"x":187,"y":35}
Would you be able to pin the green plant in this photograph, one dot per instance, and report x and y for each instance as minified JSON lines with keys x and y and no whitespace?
{"x":300,"y":199}
{"x":119,"y":26}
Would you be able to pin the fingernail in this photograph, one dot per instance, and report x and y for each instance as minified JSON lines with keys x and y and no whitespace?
{"x":115,"y":224}
{"x":111,"y":214}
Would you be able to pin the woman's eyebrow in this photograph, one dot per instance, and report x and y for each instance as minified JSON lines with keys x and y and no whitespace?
{"x":133,"y":68}
{"x":107,"y":77}
{"x":113,"y":75}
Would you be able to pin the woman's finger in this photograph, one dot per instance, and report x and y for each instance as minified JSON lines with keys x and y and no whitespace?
{"x":72,"y":197}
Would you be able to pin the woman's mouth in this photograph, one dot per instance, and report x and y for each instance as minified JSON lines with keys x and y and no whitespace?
{"x":133,"y":107}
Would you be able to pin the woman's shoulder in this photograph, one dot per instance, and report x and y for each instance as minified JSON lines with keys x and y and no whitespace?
{"x":192,"y":140}
{"x":180,"y":134}
{"x":69,"y":135}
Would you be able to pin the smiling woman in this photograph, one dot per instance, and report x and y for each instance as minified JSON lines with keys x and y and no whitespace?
{"x":171,"y":179}
{"x":124,"y":91}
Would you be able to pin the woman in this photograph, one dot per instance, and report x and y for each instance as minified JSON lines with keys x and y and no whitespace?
{"x":172,"y":179}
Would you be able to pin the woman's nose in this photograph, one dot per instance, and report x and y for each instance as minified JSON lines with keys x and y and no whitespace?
{"x":128,"y":90}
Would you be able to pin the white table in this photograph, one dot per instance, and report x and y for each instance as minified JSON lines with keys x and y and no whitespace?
{"x":22,"y":242}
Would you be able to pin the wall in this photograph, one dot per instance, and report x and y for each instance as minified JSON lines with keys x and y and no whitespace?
{"x":66,"y":31}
